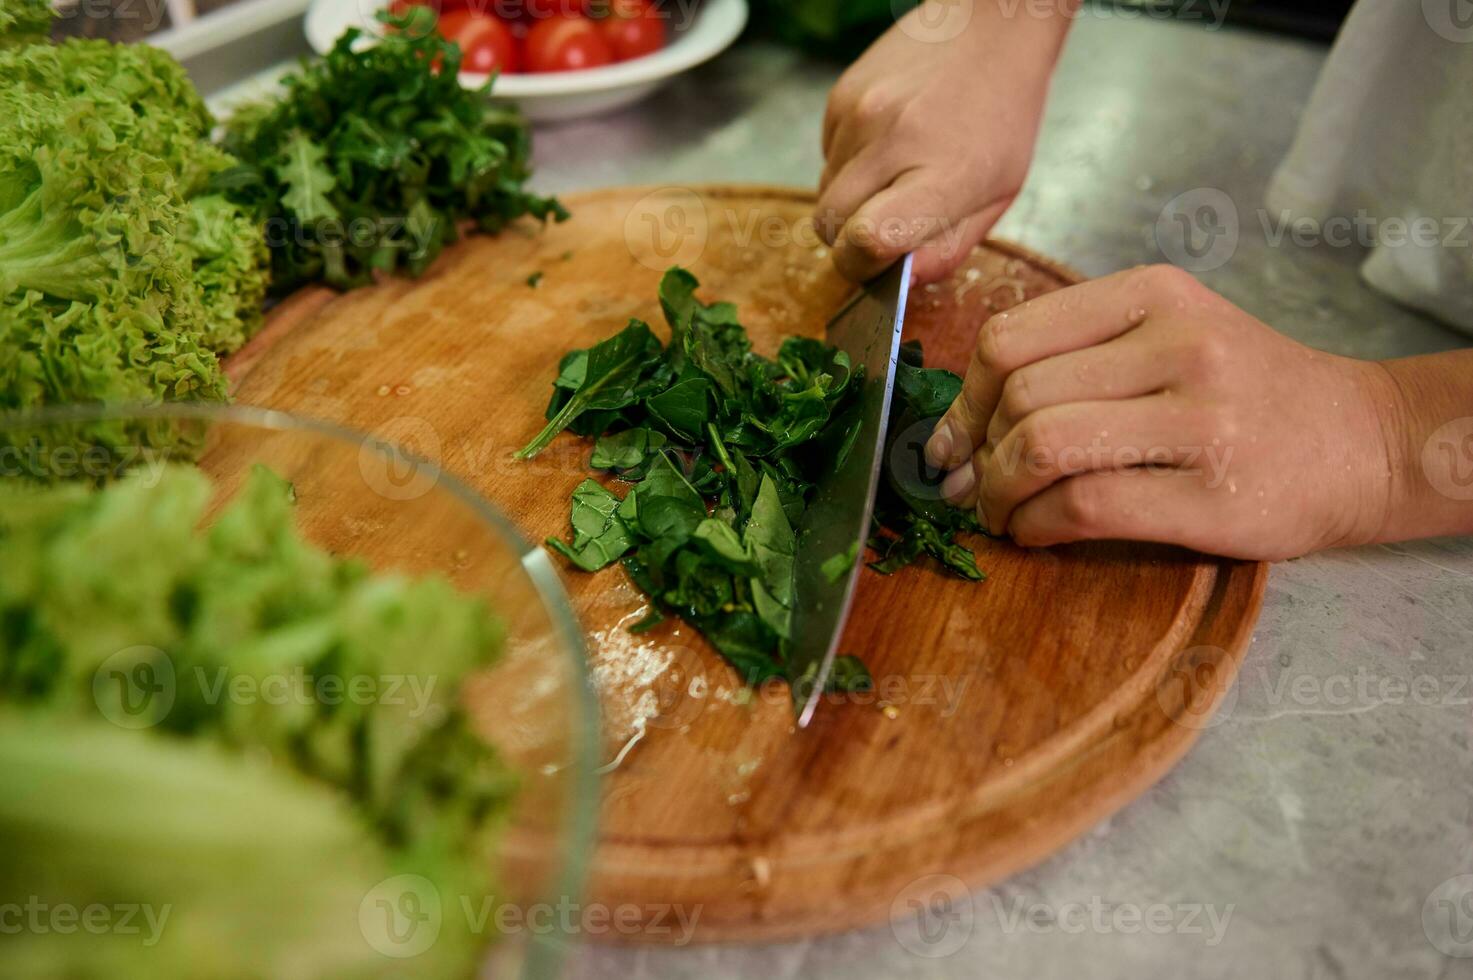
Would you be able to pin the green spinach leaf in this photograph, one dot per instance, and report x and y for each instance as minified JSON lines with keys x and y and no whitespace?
{"x":629,"y":452}
{"x":600,"y":534}
{"x":605,"y":378}
{"x":772,"y":541}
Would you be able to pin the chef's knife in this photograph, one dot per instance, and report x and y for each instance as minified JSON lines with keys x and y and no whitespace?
{"x":837,"y":520}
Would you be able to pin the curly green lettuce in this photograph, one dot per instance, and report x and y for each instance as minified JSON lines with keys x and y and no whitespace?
{"x":177,"y":725}
{"x":24,"y":22}
{"x":123,"y":277}
{"x":89,"y":573}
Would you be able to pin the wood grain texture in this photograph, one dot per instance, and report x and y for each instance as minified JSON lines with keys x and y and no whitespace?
{"x":1009,"y":716}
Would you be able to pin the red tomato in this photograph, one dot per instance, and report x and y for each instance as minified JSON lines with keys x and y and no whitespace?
{"x":541,"y":9}
{"x":634,"y":28}
{"x":485,"y":41}
{"x":620,"y":8}
{"x":566,"y":44}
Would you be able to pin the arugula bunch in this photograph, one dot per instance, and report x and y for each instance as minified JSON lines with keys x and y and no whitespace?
{"x":722,"y":448}
{"x":374,"y":157}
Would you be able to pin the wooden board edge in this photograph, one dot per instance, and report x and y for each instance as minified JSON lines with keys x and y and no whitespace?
{"x":1234,"y":607}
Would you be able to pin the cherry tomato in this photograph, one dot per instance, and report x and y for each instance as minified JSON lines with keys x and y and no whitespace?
{"x":566,"y":44}
{"x":634,"y":28}
{"x":486,"y":42}
{"x":542,"y":9}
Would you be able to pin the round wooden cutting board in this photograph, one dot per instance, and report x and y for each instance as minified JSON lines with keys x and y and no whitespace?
{"x":1009,"y":716}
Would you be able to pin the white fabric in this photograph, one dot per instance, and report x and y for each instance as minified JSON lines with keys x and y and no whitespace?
{"x":1387,"y":142}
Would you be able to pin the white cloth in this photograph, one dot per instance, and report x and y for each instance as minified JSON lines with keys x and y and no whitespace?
{"x":1386,"y":143}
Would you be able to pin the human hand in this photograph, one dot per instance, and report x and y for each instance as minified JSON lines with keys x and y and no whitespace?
{"x":1144,"y":406}
{"x":927,"y":141}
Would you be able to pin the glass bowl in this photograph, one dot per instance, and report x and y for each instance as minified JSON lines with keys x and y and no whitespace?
{"x":356,"y":497}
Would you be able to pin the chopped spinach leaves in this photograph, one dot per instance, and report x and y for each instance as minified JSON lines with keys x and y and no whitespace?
{"x":720,"y":448}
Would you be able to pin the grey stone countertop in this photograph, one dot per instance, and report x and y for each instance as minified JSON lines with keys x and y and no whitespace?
{"x":1313,"y":830}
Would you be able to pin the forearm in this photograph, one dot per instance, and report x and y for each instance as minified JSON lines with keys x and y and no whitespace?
{"x":1426,"y":409}
{"x":1034,"y":32}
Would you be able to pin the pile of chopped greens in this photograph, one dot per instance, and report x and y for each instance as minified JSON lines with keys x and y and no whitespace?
{"x":375,"y":156}
{"x":721,"y":448}
{"x":233,"y":719}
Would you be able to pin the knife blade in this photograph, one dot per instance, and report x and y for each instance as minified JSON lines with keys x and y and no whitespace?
{"x":837,"y":520}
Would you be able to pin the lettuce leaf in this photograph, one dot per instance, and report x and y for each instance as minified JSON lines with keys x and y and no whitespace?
{"x":121,"y":277}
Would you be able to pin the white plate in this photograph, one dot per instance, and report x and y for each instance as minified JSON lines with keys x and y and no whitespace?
{"x":569,"y":94}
